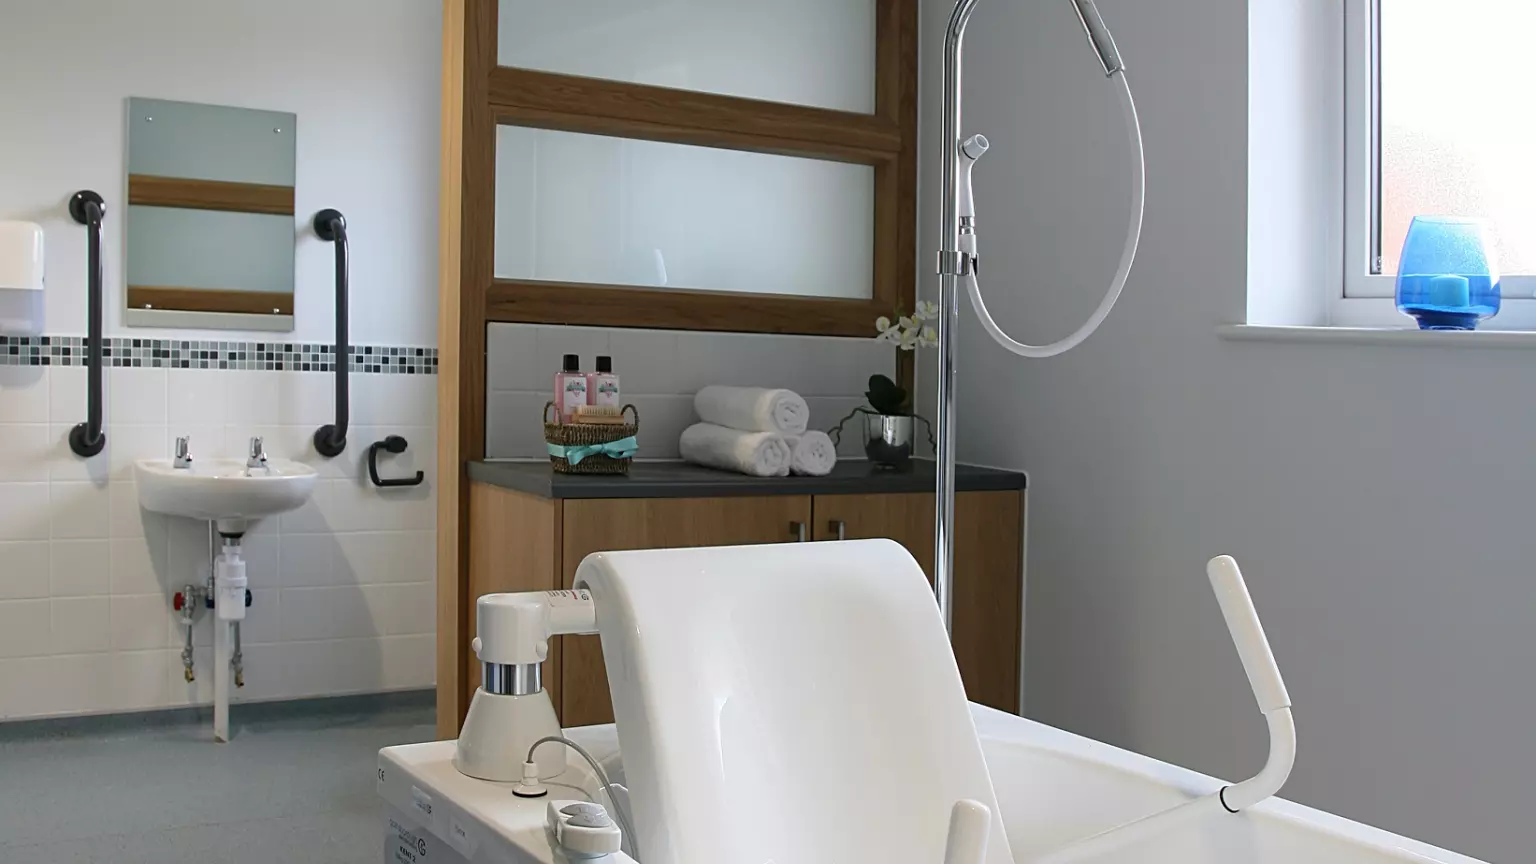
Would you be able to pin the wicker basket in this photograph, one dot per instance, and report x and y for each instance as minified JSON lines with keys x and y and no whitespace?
{"x":562,"y":434}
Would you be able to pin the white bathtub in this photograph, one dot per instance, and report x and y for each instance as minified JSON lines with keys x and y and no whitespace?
{"x":1055,"y":788}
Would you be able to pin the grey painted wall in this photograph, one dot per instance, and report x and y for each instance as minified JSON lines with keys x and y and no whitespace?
{"x":1378,"y":498}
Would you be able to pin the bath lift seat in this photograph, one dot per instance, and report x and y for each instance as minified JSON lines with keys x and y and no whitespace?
{"x":791,"y":704}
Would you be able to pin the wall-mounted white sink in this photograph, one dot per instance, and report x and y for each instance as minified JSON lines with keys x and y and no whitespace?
{"x":223,"y":489}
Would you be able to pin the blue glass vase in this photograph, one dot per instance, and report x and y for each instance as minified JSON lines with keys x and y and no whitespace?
{"x":1448,"y":278}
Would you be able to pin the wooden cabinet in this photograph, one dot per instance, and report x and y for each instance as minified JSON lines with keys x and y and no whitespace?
{"x":603,"y":524}
{"x":522,"y":542}
{"x":988,"y":573}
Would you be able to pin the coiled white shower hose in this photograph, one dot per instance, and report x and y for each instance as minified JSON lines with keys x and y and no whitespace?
{"x":1127,"y":257}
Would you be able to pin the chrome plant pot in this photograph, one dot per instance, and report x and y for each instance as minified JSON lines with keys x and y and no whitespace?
{"x":888,"y":440}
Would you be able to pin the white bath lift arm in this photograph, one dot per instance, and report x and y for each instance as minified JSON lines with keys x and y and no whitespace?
{"x":1274,"y":702}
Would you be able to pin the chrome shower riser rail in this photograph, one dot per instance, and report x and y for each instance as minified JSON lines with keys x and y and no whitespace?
{"x":953,"y":264}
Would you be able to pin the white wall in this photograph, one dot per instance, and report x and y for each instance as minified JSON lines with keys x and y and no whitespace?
{"x":363,"y":78}
{"x":343,"y":587}
{"x":1394,"y":582}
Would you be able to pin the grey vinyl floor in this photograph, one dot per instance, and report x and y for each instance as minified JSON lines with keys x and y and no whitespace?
{"x":295,"y":785}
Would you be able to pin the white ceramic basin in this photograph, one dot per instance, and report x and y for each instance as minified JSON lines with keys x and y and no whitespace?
{"x":223,"y":489}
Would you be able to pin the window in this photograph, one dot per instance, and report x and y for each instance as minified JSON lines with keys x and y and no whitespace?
{"x":1436,"y":124}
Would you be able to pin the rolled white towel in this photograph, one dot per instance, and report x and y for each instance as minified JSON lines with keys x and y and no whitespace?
{"x":753,"y":409}
{"x":812,"y":454}
{"x":760,"y":454}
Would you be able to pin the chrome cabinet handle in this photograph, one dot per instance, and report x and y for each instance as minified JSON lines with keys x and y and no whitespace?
{"x":838,"y":527}
{"x":797,"y":531}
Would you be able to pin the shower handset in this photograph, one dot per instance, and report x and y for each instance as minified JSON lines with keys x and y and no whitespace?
{"x":971,"y":150}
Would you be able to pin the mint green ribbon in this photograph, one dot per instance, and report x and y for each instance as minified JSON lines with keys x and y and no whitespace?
{"x":620,"y":449}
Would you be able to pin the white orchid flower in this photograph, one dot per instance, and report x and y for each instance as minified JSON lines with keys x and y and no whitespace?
{"x":926,"y":310}
{"x":890,"y":334}
{"x":930,"y":337}
{"x":908,"y":341}
{"x":908,"y":323}
{"x":882,"y":324}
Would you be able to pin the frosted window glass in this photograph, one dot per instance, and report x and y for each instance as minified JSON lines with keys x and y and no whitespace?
{"x":618,"y":211}
{"x":1456,"y":126}
{"x":806,"y":52}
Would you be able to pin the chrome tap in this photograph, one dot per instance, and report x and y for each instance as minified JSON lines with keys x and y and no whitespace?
{"x":258,"y":455}
{"x":183,"y":453}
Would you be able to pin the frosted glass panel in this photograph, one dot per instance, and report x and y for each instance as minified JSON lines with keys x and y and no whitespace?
{"x":807,"y":52}
{"x":618,"y":211}
{"x":1456,"y":123}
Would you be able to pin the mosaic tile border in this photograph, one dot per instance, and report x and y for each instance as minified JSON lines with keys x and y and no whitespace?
{"x":212,"y":354}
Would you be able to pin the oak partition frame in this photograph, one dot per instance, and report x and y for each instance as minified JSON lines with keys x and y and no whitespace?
{"x":478,"y":95}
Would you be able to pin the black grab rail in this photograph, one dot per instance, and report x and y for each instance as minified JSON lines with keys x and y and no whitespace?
{"x":331,"y":438}
{"x":87,"y":439}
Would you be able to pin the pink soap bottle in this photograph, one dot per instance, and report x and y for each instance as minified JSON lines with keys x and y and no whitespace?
{"x":603,"y":385}
{"x":570,"y":388}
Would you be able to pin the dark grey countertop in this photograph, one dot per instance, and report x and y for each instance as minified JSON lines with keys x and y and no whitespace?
{"x":681,"y":480}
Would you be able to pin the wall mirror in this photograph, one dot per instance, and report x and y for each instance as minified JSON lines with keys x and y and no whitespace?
{"x":210,"y":224}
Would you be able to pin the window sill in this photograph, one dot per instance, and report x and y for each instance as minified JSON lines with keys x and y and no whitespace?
{"x":1400,"y":337}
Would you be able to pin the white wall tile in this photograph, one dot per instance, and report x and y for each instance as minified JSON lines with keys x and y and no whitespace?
{"x":24,"y":394}
{"x":263,"y":618}
{"x":186,"y":553}
{"x":80,"y":625}
{"x":662,"y":421}
{"x":307,"y":400}
{"x":63,"y":464}
{"x":24,"y":451}
{"x":265,"y":677}
{"x":128,"y":444}
{"x":73,"y":531}
{"x":194,"y":397}
{"x":407,"y":508}
{"x":374,"y":558}
{"x":127,"y":519}
{"x":24,"y":569}
{"x":136,"y":563}
{"x":205,"y":439}
{"x":352,"y":612}
{"x":827,"y":411}
{"x":28,"y":687}
{"x":138,"y":680}
{"x":254,"y":397}
{"x":407,"y":660}
{"x":358,"y":665}
{"x":306,"y":560}
{"x":80,"y":511}
{"x":660,"y":369}
{"x":514,"y":429}
{"x":512,"y":359}
{"x":551,"y":344}
{"x":24,"y":628}
{"x":82,"y":684}
{"x":138,"y":621}
{"x":66,"y":395}
{"x":309,"y":518}
{"x":263,"y":556}
{"x":333,"y":666}
{"x":24,"y":511}
{"x":645,"y":361}
{"x":394,"y":400}
{"x":80,"y":568}
{"x":137,"y":396}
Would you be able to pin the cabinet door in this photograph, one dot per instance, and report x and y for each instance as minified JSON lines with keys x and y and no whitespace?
{"x":988,"y":599}
{"x":607,"y":525}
